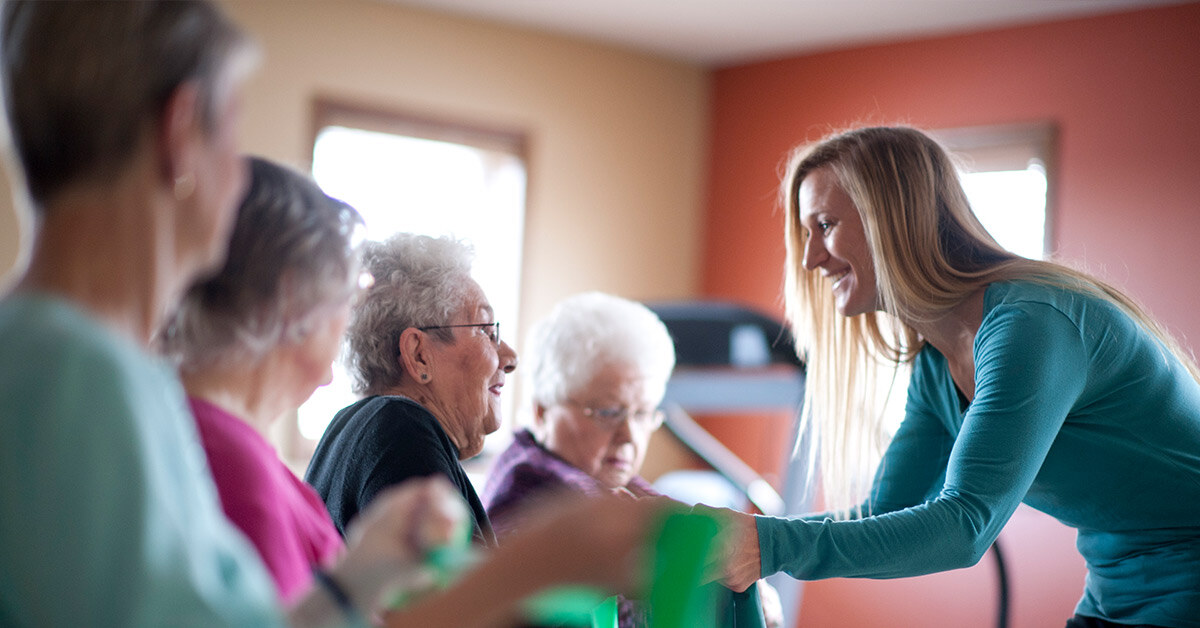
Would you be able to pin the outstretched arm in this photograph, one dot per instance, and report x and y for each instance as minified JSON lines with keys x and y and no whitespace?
{"x":597,"y":542}
{"x":1030,"y":369}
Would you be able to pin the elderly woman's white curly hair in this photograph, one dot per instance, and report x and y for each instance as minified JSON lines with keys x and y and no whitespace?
{"x":420,"y":281}
{"x":590,"y":331}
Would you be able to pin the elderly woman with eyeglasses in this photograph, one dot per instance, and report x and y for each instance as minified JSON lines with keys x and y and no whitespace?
{"x":599,"y":368}
{"x":425,"y":351}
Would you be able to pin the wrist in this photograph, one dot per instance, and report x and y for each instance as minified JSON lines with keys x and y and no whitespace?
{"x":333,"y":587}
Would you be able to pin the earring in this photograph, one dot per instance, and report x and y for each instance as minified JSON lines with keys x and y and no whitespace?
{"x":185,"y":185}
{"x":424,"y":377}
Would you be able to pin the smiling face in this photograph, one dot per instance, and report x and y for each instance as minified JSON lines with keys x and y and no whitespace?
{"x":612,"y":454}
{"x":836,"y":243}
{"x":467,"y":373}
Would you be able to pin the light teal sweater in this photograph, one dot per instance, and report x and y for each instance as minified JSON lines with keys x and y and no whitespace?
{"x":108,"y":516}
{"x":1079,"y":413}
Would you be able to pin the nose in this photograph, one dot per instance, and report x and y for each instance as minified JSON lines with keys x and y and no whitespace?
{"x":624,"y":431}
{"x":508,"y":357}
{"x":814,"y":253}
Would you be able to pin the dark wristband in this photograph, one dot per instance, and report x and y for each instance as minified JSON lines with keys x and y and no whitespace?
{"x":339,"y":595}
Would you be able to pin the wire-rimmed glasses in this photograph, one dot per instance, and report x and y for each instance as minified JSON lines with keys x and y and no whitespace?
{"x":612,"y":417}
{"x":491,"y":329}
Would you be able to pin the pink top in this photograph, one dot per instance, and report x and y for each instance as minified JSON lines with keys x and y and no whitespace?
{"x":284,"y":517}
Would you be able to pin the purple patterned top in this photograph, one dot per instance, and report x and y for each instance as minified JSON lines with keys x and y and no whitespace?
{"x":526,"y":473}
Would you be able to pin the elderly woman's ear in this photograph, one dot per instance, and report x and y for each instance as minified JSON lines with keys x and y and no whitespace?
{"x":176,"y":140}
{"x":414,"y":356}
{"x":539,"y":422}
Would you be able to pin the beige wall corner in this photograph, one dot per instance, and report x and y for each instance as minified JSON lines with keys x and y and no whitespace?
{"x":616,"y":138}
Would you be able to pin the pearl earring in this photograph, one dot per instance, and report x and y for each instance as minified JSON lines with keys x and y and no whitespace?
{"x":185,"y":185}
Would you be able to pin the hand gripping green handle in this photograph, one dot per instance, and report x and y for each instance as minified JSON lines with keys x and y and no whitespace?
{"x":676,"y":597}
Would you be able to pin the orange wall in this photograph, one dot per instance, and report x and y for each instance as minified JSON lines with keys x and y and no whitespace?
{"x":1122,"y":90}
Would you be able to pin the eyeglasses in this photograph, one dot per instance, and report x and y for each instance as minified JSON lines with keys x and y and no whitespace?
{"x":491,"y":329}
{"x":611,"y":418}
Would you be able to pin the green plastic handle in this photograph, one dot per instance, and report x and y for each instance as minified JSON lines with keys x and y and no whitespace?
{"x":677,"y":597}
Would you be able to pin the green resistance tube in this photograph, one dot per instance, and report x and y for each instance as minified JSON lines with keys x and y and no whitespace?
{"x":580,"y":607}
{"x":677,"y":598}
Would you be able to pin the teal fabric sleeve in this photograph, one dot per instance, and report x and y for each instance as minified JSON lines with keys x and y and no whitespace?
{"x":988,"y":469}
{"x":1078,"y":412}
{"x":107,"y":514}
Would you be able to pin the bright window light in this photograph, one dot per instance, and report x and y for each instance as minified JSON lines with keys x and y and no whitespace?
{"x":1011,"y":204}
{"x":400,"y":183}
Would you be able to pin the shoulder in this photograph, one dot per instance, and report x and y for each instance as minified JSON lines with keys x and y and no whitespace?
{"x":389,"y":413}
{"x":243,"y":465}
{"x":410,"y":427}
{"x":1032,"y":313}
{"x":526,"y":469}
{"x":64,"y":375}
{"x":66,"y":379}
{"x":1037,"y":299}
{"x":401,"y":439}
{"x":391,"y":423}
{"x":527,"y":478}
{"x":52,"y":339}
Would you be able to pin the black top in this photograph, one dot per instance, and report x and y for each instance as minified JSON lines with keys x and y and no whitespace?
{"x":380,"y":441}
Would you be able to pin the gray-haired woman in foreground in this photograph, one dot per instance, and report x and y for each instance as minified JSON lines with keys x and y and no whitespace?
{"x":125,"y":116}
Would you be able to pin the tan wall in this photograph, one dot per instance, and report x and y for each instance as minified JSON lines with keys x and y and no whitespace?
{"x":616,"y":139}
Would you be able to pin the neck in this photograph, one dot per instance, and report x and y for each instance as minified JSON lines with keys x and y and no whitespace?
{"x":422,"y":394}
{"x":111,"y":251}
{"x":953,"y":333}
{"x":244,"y":390}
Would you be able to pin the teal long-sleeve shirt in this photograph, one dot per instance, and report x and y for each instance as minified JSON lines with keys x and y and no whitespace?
{"x":1078,"y":412}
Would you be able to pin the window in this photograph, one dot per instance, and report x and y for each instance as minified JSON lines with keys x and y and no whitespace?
{"x":1005,"y":173}
{"x":404,"y":173}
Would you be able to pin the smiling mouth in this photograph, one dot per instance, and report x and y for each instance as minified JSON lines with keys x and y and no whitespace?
{"x":838,"y":279}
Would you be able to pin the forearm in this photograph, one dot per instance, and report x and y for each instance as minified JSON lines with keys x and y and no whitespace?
{"x":597,"y":542}
{"x":937,"y":536}
{"x":488,"y":595}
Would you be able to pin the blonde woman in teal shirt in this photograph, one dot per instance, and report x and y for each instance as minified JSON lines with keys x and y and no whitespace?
{"x":1031,"y":382}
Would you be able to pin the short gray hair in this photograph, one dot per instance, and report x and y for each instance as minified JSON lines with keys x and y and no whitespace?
{"x":84,"y":79}
{"x":589,"y":331}
{"x":291,"y":255}
{"x":420,"y":281}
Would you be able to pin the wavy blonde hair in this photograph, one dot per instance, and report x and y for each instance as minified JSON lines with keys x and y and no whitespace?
{"x":930,"y":253}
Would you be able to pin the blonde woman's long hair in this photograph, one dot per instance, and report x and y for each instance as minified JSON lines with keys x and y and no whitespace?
{"x":930,"y":252}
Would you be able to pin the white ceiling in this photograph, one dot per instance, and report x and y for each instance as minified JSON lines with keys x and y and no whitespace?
{"x":726,"y":32}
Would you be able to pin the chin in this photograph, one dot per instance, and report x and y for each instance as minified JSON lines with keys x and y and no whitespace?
{"x":491,"y":422}
{"x":852,"y":309}
{"x":613,"y":481}
{"x":474,"y":449}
